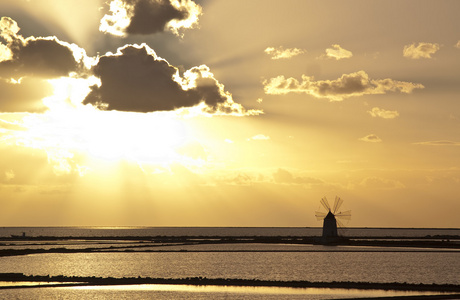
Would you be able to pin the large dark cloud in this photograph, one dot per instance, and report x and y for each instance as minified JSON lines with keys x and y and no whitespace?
{"x":43,"y":56}
{"x":152,"y":16}
{"x":149,"y":16}
{"x":135,"y":79}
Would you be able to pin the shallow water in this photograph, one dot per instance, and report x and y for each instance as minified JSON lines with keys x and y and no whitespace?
{"x":411,"y":267}
{"x":241,"y":261}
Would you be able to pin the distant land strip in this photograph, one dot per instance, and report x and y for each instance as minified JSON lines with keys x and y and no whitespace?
{"x":103,"y":281}
{"x":55,"y":245}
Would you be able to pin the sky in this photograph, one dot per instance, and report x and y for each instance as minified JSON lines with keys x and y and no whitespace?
{"x":229,"y":113}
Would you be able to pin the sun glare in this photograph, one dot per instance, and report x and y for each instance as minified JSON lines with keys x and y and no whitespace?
{"x":69,"y":131}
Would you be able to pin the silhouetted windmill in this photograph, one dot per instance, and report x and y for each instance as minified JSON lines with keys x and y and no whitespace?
{"x":331,"y":217}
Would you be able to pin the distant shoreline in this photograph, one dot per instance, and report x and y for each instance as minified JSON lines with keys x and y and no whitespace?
{"x":148,"y":244}
{"x":241,"y":227}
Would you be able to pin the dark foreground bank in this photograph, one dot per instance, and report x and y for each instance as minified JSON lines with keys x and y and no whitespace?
{"x":78,"y":281}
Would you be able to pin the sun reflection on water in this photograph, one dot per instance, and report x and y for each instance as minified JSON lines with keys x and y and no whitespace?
{"x":267,"y":290}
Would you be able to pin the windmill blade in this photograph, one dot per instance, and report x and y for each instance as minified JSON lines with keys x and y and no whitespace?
{"x":339,"y":224}
{"x":320,"y":215}
{"x":325,"y":204}
{"x":346,"y":215}
{"x":337,"y":203}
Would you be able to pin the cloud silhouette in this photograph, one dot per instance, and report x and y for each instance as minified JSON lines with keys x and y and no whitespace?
{"x":422,"y":50}
{"x":45,"y":57}
{"x":136,"y":79}
{"x":149,"y":16}
{"x":348,"y":85}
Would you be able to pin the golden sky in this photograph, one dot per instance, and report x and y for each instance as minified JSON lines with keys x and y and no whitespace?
{"x":229,"y":113}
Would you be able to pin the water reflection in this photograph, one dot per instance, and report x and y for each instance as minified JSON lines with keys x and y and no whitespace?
{"x":347,"y":266}
{"x":211,"y":290}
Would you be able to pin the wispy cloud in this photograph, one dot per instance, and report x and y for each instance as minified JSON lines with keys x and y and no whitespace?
{"x":422,"y":50}
{"x":348,"y":85}
{"x":259,"y":137}
{"x":286,"y":177}
{"x":281,"y":53}
{"x":439,"y":143}
{"x":371,"y":138}
{"x":458,"y":45}
{"x":381,"y":183}
{"x":148,"y":17}
{"x":336,"y":52}
{"x":382,"y":113}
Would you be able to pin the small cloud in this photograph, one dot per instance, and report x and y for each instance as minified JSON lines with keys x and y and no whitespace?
{"x":337,"y":53}
{"x":259,"y":100}
{"x":281,"y":53}
{"x":229,"y":141}
{"x":382,"y":113}
{"x":149,"y":17}
{"x":349,"y":85}
{"x":439,"y":143}
{"x":259,"y":137}
{"x":457,"y":45}
{"x":422,"y":50}
{"x":372,"y":138}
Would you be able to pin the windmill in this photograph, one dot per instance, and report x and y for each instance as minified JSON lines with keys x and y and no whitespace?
{"x":331,"y":217}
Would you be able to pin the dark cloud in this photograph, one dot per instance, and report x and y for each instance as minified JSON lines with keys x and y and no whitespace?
{"x":152,"y":16}
{"x":149,"y":16}
{"x":43,"y":56}
{"x":135,"y":79}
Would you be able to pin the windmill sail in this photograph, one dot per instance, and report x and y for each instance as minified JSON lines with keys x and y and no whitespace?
{"x":325,"y":203}
{"x":337,"y":203}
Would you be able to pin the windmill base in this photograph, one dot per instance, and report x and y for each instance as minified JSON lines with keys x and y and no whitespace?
{"x":332,"y":240}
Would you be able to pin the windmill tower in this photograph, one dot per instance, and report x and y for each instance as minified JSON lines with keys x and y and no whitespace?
{"x":331,"y":217}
